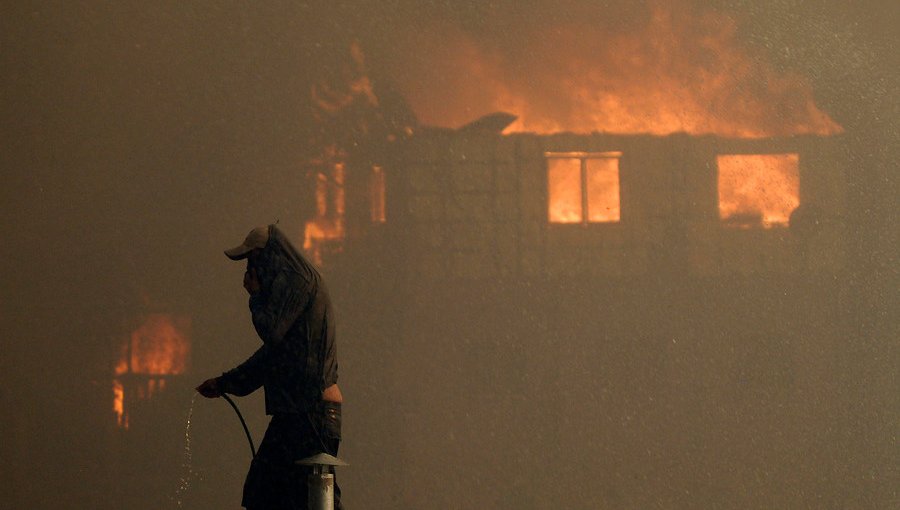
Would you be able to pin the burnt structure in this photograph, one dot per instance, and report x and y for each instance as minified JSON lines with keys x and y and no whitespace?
{"x":476,"y":206}
{"x":705,"y":346}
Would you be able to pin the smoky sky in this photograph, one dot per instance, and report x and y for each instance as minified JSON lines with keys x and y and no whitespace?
{"x":140,"y":140}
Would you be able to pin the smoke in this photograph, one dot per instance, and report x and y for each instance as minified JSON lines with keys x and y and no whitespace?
{"x":139,"y":143}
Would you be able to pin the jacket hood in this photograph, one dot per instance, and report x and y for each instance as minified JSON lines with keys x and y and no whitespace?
{"x":278,"y":256}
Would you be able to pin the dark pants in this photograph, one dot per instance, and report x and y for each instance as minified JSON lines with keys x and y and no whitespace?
{"x":274,"y":481}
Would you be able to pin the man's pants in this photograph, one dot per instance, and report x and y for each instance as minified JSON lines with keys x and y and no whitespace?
{"x":274,"y":481}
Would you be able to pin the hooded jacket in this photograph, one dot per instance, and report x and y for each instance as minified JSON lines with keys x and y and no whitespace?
{"x":293,"y":316}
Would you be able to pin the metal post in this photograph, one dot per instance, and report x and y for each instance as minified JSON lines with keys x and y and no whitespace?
{"x":321,"y":489}
{"x":320,"y":482}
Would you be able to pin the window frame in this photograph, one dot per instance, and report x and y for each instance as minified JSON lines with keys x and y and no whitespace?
{"x":583,"y":157}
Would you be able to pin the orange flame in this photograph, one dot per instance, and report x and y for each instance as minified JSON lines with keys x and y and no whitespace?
{"x":119,"y":404}
{"x":758,"y":190}
{"x":328,"y":223}
{"x":590,"y":182}
{"x":677,"y":70}
{"x":352,"y":85}
{"x":564,"y":188}
{"x":159,"y":346}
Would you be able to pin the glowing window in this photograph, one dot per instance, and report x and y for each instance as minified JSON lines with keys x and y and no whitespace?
{"x":583,"y":187}
{"x":327,"y":227}
{"x":160,"y":347}
{"x":758,"y":190}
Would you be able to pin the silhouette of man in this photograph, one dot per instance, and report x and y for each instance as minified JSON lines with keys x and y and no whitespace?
{"x":297,"y":366}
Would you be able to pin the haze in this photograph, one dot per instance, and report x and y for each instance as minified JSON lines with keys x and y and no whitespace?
{"x":139,"y":142}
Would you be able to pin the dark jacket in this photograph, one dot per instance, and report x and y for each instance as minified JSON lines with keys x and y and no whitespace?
{"x":293,"y":316}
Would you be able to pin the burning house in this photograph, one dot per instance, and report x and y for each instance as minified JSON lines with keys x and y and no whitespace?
{"x":499,"y":250}
{"x":560,"y":258}
{"x":485,"y":205}
{"x":634,"y":280}
{"x":621,"y":265}
{"x":664,"y":141}
{"x":666,"y":277}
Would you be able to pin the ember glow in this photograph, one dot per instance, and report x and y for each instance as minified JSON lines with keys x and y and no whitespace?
{"x":680,"y":68}
{"x":758,"y":190}
{"x":158,"y":347}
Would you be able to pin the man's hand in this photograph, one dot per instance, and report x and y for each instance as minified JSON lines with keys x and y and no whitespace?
{"x":251,"y":281}
{"x":210,"y":388}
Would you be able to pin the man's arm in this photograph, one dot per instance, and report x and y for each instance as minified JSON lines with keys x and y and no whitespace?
{"x":241,"y":380}
{"x":246,"y":377}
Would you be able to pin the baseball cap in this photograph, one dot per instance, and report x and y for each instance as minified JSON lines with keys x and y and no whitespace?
{"x":257,"y":238}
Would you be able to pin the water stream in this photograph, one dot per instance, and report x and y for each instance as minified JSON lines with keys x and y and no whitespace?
{"x":188,"y":475}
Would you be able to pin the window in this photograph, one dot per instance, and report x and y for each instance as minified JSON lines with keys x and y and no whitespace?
{"x":583,"y":187}
{"x":326,"y":228}
{"x":758,"y":190}
{"x":158,"y":348}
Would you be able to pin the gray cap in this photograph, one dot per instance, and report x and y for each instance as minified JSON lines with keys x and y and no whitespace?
{"x":256,"y":239}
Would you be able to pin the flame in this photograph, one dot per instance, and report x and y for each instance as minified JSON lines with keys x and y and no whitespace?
{"x":647,"y":68}
{"x":119,"y":404}
{"x":352,"y":85}
{"x":758,"y":190}
{"x":590,"y":181}
{"x":159,"y":346}
{"x":328,"y":223}
{"x":678,"y":69}
{"x":603,"y":189}
{"x":564,"y":188}
{"x":348,"y":114}
{"x":122,"y":363}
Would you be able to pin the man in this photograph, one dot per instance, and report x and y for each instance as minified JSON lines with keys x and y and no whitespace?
{"x":296,"y":365}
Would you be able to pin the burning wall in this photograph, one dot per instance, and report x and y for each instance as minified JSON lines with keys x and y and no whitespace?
{"x":488,"y":205}
{"x":627,"y":339}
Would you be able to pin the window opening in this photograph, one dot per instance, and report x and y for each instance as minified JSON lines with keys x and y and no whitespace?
{"x":583,"y":187}
{"x":326,"y":229}
{"x":758,"y":190}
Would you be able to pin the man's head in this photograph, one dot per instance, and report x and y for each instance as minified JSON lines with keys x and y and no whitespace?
{"x":255,"y":241}
{"x":268,"y":253}
{"x":251,"y":250}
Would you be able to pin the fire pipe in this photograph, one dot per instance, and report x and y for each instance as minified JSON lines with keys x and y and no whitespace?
{"x":321,"y":481}
{"x":241,"y":417}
